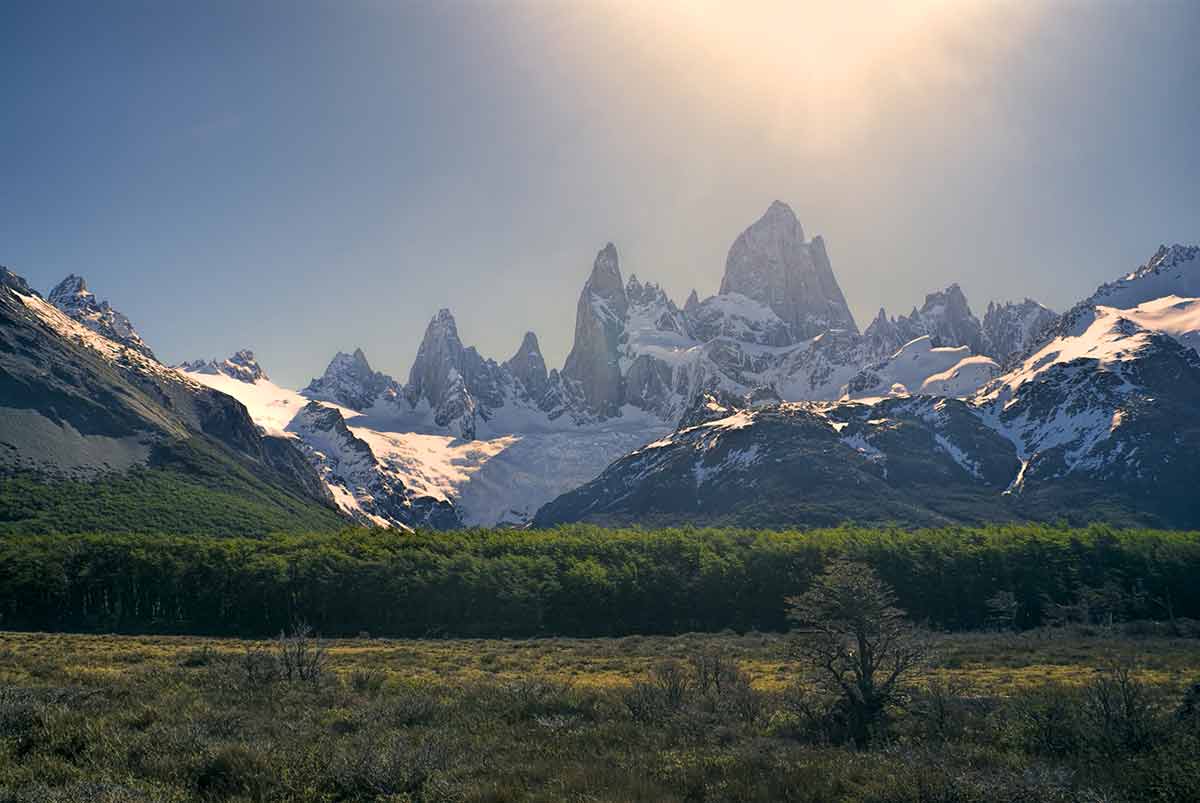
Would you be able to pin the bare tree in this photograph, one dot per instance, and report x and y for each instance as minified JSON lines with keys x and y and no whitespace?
{"x":301,"y":655}
{"x":858,"y":642}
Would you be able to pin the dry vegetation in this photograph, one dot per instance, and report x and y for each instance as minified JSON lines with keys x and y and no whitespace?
{"x":1028,"y":716}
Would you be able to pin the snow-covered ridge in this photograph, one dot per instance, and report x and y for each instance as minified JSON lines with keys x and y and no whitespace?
{"x":74,"y":299}
{"x":119,"y":353}
{"x":242,"y":366}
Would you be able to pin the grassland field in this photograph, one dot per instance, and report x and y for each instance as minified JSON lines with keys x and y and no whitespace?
{"x":148,"y":718}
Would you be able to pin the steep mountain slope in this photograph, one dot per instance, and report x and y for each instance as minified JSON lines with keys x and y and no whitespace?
{"x":771,"y":263}
{"x":72,"y":296}
{"x":79,"y":411}
{"x":806,"y":464}
{"x":1102,"y":421}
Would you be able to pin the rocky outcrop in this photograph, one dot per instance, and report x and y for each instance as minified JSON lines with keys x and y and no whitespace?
{"x":594,"y":361}
{"x":242,"y":366}
{"x":458,"y":384}
{"x":945,"y":317}
{"x":72,"y":296}
{"x":350,"y":382}
{"x":528,"y":366}
{"x":1010,"y":329}
{"x":771,"y":263}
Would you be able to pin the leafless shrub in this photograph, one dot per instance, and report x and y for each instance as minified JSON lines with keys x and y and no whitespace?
{"x":301,"y":655}
{"x":1119,"y":712}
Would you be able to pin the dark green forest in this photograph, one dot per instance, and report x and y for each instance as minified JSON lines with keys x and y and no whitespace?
{"x":582,"y":580}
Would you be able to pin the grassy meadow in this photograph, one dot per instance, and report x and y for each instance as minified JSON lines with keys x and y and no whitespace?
{"x":996,"y":716}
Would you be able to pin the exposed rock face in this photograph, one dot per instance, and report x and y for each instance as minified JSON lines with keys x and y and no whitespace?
{"x":455,"y":381}
{"x":529,"y":367}
{"x":72,"y":296}
{"x":594,"y":361}
{"x":771,"y":263}
{"x":347,"y":463}
{"x":14,"y":282}
{"x":242,"y":366}
{"x":945,"y":317}
{"x":1010,"y":329}
{"x":350,"y":382}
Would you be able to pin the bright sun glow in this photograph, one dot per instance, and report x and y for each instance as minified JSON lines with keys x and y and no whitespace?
{"x":823,"y":68}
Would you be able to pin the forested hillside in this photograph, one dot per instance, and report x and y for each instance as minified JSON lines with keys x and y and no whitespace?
{"x":582,"y":580}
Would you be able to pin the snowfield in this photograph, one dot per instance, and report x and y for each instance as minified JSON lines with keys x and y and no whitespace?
{"x":501,"y":477}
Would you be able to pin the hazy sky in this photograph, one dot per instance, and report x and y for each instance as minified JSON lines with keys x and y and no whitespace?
{"x":302,"y":177}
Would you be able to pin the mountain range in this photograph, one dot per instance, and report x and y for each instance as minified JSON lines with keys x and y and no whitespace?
{"x":763,"y":404}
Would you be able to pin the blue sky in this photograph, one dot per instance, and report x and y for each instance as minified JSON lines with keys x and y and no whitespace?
{"x":303,"y":177}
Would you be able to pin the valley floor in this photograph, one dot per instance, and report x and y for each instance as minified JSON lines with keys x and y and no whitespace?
{"x":997,"y":717}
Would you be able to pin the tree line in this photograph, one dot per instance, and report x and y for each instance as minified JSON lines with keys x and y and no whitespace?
{"x":583,"y":580}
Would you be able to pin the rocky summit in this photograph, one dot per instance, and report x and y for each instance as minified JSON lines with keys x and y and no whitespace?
{"x":1100,"y":420}
{"x":72,"y":296}
{"x":771,"y":263}
{"x":764,"y":391}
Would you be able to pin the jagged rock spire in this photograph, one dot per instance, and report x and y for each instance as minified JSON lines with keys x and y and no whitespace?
{"x":771,"y":263}
{"x":599,"y":321}
{"x":529,"y":366}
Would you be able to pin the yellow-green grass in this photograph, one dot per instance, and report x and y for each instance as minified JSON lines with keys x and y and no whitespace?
{"x":989,"y":662}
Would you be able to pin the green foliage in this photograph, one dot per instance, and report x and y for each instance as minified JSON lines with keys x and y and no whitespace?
{"x":206,"y":497}
{"x":578,"y":580}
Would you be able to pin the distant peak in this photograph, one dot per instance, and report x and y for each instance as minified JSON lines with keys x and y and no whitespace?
{"x":241,"y":366}
{"x":606,"y":272}
{"x":1169,"y":257}
{"x":18,"y":283}
{"x":69,"y":287}
{"x":530,"y":343}
{"x":778,"y":209}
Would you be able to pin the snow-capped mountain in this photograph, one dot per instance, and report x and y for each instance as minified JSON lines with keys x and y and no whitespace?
{"x":1006,"y":331}
{"x":350,"y":382}
{"x":77,"y":405}
{"x":1044,"y":403}
{"x":771,"y":263}
{"x":502,"y":438}
{"x":242,"y":366}
{"x":919,"y":367}
{"x":1101,"y":419}
{"x":72,"y":296}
